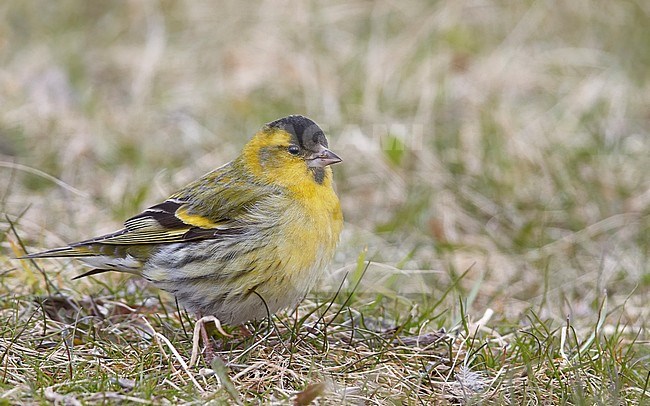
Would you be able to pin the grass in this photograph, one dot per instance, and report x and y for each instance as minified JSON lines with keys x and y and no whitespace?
{"x":495,"y":188}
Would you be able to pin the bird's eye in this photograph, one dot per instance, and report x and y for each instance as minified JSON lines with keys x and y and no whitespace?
{"x":294,"y":149}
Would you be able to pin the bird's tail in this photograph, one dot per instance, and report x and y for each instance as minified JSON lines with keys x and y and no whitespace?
{"x":70,"y":252}
{"x":103,"y":263}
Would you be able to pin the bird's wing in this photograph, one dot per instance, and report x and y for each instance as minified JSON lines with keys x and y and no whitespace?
{"x":185,"y":216}
{"x":167,"y":222}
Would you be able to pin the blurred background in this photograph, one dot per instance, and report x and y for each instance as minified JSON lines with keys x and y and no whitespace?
{"x":497,"y":149}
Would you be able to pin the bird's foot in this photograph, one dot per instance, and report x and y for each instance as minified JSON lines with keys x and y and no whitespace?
{"x":201,"y":334}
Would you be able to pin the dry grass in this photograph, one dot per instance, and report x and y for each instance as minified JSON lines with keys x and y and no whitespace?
{"x":496,"y":161}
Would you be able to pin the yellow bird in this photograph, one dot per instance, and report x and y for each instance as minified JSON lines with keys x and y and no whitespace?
{"x":246,"y":239}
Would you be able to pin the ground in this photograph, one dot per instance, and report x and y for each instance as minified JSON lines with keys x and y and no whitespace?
{"x":494,"y":185}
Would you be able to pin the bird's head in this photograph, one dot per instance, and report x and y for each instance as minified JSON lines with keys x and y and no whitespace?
{"x":289,"y":152}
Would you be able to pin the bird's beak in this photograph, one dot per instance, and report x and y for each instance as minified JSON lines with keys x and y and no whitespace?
{"x":322,"y":158}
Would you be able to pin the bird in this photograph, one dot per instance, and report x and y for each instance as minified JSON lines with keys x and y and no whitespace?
{"x":242,"y":242}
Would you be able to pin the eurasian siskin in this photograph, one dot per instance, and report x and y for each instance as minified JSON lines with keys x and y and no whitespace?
{"x":248,"y":238}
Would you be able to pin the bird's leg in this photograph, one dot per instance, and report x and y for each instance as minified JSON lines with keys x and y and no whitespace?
{"x":243,"y":331}
{"x":208,"y":348}
{"x":200,"y":333}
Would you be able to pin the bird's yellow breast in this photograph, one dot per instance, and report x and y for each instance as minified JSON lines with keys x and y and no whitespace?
{"x":318,"y":221}
{"x":313,"y":220}
{"x":310,"y":238}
